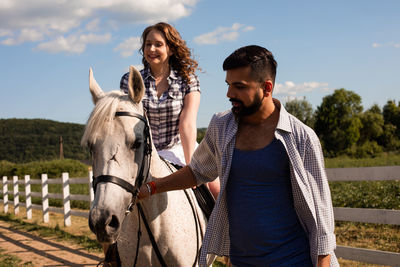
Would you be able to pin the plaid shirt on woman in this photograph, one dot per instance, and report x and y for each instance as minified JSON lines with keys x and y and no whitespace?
{"x":164,"y":112}
{"x":310,"y":189}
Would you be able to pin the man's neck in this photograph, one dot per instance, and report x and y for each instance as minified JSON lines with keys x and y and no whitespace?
{"x":265,"y":114}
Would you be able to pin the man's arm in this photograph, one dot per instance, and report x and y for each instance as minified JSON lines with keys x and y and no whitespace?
{"x":178,"y":180}
{"x":324,"y":260}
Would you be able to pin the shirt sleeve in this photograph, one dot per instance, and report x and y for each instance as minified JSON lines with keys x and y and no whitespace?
{"x":205,"y":158}
{"x":194,"y":85}
{"x":123,"y":85}
{"x":315,"y":168}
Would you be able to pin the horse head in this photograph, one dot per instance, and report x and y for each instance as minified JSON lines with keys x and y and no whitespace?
{"x":117,"y":136}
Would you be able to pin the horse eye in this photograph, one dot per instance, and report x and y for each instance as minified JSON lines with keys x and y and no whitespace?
{"x":136,"y":144}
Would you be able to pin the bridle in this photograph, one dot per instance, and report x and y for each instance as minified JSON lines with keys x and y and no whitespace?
{"x":141,"y":177}
{"x":143,"y":172}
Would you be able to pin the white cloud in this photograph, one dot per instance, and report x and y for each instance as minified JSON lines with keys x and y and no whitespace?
{"x":93,"y":25}
{"x":55,"y":21}
{"x":222,"y":34}
{"x":388,"y":44}
{"x":74,"y":43}
{"x":128,"y":47}
{"x":292,"y":89}
{"x":4,"y":32}
{"x":25,"y":35}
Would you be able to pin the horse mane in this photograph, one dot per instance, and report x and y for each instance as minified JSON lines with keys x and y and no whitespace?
{"x":101,"y":116}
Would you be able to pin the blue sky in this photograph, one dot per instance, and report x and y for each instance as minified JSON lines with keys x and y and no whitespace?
{"x":47,"y":47}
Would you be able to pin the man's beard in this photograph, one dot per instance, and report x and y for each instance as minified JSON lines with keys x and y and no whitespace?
{"x":242,"y":110}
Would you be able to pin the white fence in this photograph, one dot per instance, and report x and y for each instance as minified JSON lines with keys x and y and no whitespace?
{"x":379,"y":216}
{"x":65,"y":181}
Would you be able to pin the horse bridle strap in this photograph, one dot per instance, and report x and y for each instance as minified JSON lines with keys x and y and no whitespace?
{"x":115,"y":180}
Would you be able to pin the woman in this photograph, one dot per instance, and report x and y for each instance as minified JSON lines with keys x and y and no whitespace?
{"x":172,"y":94}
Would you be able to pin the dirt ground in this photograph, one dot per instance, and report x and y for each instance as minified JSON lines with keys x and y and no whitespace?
{"x":50,"y":252}
{"x":47,"y":251}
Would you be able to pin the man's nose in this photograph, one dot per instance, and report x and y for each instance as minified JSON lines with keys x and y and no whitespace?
{"x":230,"y":92}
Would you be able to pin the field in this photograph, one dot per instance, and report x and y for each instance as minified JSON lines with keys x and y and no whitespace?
{"x":385,"y":195}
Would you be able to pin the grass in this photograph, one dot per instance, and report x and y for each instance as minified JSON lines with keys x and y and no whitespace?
{"x":384,"y":159}
{"x":10,"y":260}
{"x":368,"y":235}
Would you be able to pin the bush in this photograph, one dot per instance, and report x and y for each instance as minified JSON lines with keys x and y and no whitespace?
{"x":366,"y":194}
{"x":367,"y":150}
{"x":35,"y":169}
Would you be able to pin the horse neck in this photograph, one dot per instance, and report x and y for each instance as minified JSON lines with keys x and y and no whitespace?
{"x":158,"y":167}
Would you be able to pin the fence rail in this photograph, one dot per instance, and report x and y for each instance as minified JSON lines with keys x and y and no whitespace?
{"x":65,"y":196}
{"x":379,"y":216}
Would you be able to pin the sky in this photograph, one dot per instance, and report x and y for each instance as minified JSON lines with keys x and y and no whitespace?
{"x":48,"y":46}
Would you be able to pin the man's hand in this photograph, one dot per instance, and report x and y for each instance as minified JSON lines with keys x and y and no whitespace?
{"x":143,"y":192}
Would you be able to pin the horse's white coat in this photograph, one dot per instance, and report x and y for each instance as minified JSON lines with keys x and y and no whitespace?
{"x":170,"y":215}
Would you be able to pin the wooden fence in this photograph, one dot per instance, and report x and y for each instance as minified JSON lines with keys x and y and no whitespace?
{"x":379,"y":216}
{"x":65,"y":181}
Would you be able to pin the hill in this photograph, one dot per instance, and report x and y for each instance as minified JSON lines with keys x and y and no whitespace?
{"x":26,"y":140}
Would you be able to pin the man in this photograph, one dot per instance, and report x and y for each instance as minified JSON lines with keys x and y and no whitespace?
{"x":274,"y":207}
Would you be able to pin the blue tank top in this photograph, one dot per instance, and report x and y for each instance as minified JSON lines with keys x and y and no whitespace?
{"x":264,"y":229}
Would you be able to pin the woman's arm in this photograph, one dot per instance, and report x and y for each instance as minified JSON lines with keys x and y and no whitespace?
{"x":187,"y":123}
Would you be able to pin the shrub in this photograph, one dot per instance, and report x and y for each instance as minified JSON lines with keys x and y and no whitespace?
{"x":35,"y":169}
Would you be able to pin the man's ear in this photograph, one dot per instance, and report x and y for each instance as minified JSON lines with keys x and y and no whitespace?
{"x":268,"y":87}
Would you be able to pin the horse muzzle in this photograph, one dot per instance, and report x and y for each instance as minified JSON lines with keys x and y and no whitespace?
{"x":105,"y":225}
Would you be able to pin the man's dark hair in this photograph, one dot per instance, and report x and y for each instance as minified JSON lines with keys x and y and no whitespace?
{"x":260,"y":60}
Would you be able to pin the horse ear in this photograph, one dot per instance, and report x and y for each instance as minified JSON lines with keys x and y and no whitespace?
{"x":135,"y":85}
{"x":94,"y":88}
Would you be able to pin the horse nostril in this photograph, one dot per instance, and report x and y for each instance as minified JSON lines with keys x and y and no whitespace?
{"x":114,"y":223}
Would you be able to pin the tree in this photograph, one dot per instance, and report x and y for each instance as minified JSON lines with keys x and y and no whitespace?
{"x":372,"y":125}
{"x":391,"y":113}
{"x":302,"y":110}
{"x":370,"y":133}
{"x":337,"y":121}
{"x":391,"y":137}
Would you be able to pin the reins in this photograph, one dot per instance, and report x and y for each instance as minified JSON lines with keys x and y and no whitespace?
{"x":134,"y":190}
{"x":195,"y":214}
{"x":142,"y":176}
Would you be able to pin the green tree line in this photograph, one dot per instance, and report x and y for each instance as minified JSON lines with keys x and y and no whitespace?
{"x":26,"y":140}
{"x":345,"y":128}
{"x":340,"y":121}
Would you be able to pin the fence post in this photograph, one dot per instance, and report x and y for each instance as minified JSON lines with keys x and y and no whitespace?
{"x":5,"y":194}
{"x":28,"y":197}
{"x":91,"y":192}
{"x":66,"y":199}
{"x":16,"y":195}
{"x":45,"y":198}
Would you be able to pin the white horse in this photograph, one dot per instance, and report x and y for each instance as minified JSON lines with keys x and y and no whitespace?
{"x":117,"y":135}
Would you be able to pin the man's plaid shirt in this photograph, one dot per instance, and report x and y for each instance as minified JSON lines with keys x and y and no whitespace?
{"x":311,"y":193}
{"x":164,"y":112}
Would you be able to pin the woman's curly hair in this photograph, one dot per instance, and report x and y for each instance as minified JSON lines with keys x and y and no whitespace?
{"x":180,"y":60}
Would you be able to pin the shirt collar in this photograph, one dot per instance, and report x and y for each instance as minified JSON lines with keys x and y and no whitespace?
{"x":147,"y":74}
{"x":284,"y":121}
